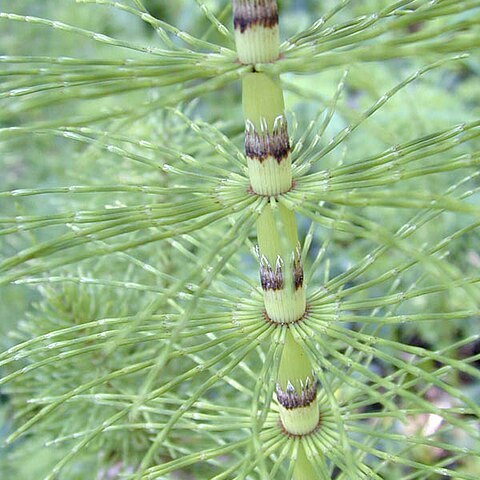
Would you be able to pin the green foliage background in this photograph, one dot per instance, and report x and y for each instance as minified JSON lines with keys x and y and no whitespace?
{"x":126,"y":222}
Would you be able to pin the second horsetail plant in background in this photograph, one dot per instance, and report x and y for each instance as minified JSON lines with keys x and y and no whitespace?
{"x":234,"y":251}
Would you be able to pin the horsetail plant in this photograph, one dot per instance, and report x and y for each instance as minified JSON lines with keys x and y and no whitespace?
{"x":151,"y":350}
{"x":267,"y":149}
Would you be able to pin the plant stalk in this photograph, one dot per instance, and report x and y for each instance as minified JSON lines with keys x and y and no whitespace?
{"x":267,"y":149}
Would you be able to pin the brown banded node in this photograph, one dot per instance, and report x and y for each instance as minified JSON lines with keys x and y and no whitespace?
{"x":267,"y":144}
{"x":247,"y":14}
{"x":273,"y":278}
{"x":290,"y":398}
{"x":256,"y":30}
{"x":268,"y":156}
{"x":296,"y":389}
{"x":260,"y":145}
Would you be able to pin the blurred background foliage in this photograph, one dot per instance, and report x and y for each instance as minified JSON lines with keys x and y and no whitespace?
{"x":437,"y":101}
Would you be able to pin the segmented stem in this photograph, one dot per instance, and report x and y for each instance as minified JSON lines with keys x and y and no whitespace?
{"x":267,"y":149}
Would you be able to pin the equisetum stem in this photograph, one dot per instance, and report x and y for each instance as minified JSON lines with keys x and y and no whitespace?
{"x":267,"y":148}
{"x":281,"y":270}
{"x":256,"y":30}
{"x":267,"y":145}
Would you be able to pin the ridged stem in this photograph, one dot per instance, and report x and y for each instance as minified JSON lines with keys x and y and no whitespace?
{"x":267,"y":145}
{"x":256,"y":30}
{"x":267,"y":148}
{"x":303,"y":468}
{"x":281,"y":272}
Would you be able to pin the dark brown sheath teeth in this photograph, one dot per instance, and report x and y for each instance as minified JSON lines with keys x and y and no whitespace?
{"x":263,"y":144}
{"x":248,"y":13}
{"x":271,"y":279}
{"x":291,"y":399}
{"x":297,"y":269}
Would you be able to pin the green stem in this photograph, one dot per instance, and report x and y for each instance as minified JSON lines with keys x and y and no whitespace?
{"x":266,"y":138}
{"x":267,"y":148}
{"x":297,"y":390}
{"x":303,"y":468}
{"x":281,"y":270}
{"x":256,"y":30}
